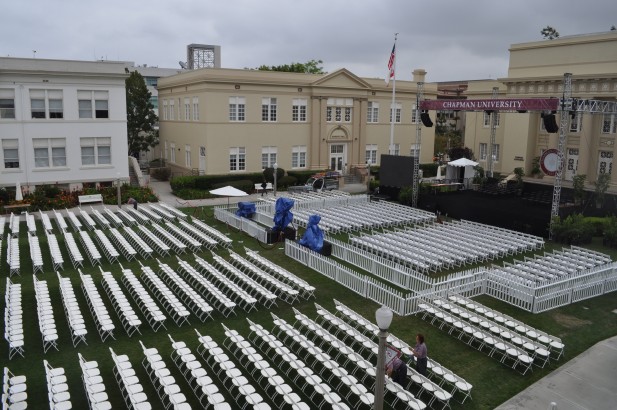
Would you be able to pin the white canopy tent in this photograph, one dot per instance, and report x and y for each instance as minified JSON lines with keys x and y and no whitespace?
{"x":454,"y":172}
{"x":228,"y":191}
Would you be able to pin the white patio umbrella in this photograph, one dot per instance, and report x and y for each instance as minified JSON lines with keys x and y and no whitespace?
{"x":18,"y":194}
{"x":228,"y":191}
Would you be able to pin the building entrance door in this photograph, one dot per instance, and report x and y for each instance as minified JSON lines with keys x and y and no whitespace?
{"x":338,"y":158}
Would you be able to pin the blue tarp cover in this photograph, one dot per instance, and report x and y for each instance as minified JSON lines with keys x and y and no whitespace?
{"x":245,"y":209}
{"x":313,"y":237}
{"x":282,"y":214}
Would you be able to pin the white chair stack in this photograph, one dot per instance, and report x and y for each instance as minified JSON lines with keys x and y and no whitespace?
{"x":45,"y":312}
{"x":30,"y":223}
{"x":100,"y":218}
{"x":161,"y":247}
{"x":176,"y":245}
{"x":219,"y":236}
{"x":54,"y":249}
{"x":162,"y":211}
{"x":75,"y":222}
{"x":93,"y":384}
{"x":113,"y":218}
{"x":111,"y":253}
{"x":46,"y":222}
{"x":187,"y":294}
{"x":172,"y":210}
{"x":138,"y":216}
{"x":14,"y":393}
{"x":130,"y":321}
{"x":93,"y":253}
{"x":57,"y":389}
{"x":72,"y":311}
{"x":35,"y":254}
{"x":12,"y":255}
{"x":129,"y":384}
{"x":152,"y":312}
{"x":76,"y":258}
{"x":153,"y":216}
{"x":104,"y":324}
{"x":123,"y":245}
{"x":14,"y":224}
{"x":179,"y":313}
{"x":13,"y":319}
{"x":145,"y":251}
{"x":193,"y":244}
{"x":127,"y":218}
{"x":89,"y":222}
{"x":60,"y":221}
{"x":203,"y":238}
{"x":165,"y":384}
{"x":2,"y":223}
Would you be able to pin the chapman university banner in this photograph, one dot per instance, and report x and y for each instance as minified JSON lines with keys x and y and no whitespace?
{"x":506,"y":104}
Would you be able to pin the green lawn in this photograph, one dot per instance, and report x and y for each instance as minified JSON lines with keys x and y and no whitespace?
{"x":579,"y":325}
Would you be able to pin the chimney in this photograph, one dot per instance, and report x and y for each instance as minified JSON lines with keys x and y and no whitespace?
{"x":418,"y":75}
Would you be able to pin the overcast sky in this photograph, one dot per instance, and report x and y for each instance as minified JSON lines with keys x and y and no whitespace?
{"x":451,"y":39}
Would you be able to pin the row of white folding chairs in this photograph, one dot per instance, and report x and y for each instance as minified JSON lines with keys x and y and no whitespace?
{"x":123,"y":245}
{"x":57,"y":388}
{"x":30,"y":223}
{"x":140,"y":217}
{"x":161,"y":247}
{"x":54,"y":249}
{"x":88,"y":221}
{"x":104,"y":325}
{"x":424,"y":251}
{"x":75,"y":222}
{"x":91,"y":250}
{"x":13,"y":319}
{"x":186,"y":293}
{"x":266,"y":297}
{"x":129,"y":384}
{"x":161,"y":211}
{"x":461,"y":253}
{"x":319,"y":392}
{"x":202,"y":237}
{"x":232,"y":378}
{"x":60,"y":221}
{"x":193,"y":244}
{"x":599,"y":257}
{"x":130,"y":321}
{"x":176,"y":245}
{"x":476,"y":239}
{"x":437,"y":370}
{"x":145,"y":251}
{"x":93,"y":384}
{"x":266,"y":376}
{"x":164,"y":383}
{"x":147,"y":305}
{"x":125,"y":217}
{"x":14,"y":223}
{"x":111,"y":253}
{"x":364,"y":368}
{"x":197,"y":377}
{"x":113,"y":218}
{"x":538,"y":240}
{"x":74,"y":253}
{"x":510,"y":242}
{"x":212,"y":293}
{"x":553,"y":342}
{"x":301,"y":218}
{"x":12,"y":255}
{"x":46,"y":222}
{"x":331,"y":369}
{"x":239,"y":295}
{"x":389,"y":251}
{"x":173,"y":210}
{"x":72,"y":311}
{"x":150,"y":214}
{"x":306,"y":290}
{"x":2,"y":224}
{"x":35,"y":254}
{"x":219,"y":236}
{"x":45,"y":313}
{"x":179,"y":313}
{"x":14,"y":394}
{"x":100,"y":218}
{"x":582,"y":261}
{"x":282,"y":290}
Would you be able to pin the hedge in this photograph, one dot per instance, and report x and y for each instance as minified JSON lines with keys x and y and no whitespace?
{"x":245,"y":185}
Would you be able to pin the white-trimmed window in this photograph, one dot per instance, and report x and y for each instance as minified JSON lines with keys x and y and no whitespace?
{"x":7,"y":103}
{"x":268,"y":109}
{"x":575,"y":123}
{"x":396,"y":111}
{"x":413,"y":148}
{"x":95,"y":151}
{"x":483,"y":151}
{"x":166,"y":151}
{"x":339,"y":109}
{"x":371,"y":153}
{"x":237,"y":159}
{"x":87,"y":100}
{"x":237,"y":108}
{"x":172,"y":152}
{"x":46,"y":104}
{"x":49,"y":152}
{"x":487,"y":118}
{"x":172,"y":109}
{"x":397,"y":149}
{"x":10,"y":151}
{"x":187,"y":109}
{"x":268,"y":157}
{"x":187,"y":156}
{"x":298,"y":110}
{"x":496,"y":153}
{"x":165,"y":114}
{"x":605,"y":162}
{"x":609,"y":123}
{"x":372,"y":114}
{"x":414,"y":114}
{"x":298,"y":156}
{"x":195,"y":109}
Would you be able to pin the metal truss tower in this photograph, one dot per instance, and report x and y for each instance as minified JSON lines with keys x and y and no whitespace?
{"x":203,"y":56}
{"x":416,"y":152}
{"x":492,"y":156}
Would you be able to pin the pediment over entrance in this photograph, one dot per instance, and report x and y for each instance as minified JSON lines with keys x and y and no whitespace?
{"x":339,"y":133}
{"x":342,"y":78}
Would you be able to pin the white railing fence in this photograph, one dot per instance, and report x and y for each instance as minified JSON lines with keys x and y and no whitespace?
{"x":245,"y":225}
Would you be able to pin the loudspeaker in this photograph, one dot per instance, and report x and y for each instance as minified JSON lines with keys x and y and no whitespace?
{"x":550,"y":124}
{"x":290,"y":233}
{"x":426,"y":119}
{"x":326,"y":250}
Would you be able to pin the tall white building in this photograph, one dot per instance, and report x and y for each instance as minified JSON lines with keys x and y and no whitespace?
{"x":62,"y":122}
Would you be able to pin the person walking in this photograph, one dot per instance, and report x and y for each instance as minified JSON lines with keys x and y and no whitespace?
{"x":264,"y":185}
{"x":421,"y":354}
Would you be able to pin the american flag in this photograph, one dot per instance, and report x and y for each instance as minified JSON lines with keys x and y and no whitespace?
{"x":391,"y":65}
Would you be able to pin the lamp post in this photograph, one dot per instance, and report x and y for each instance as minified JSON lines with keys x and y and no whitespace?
{"x":119,"y":193}
{"x":368,"y":182}
{"x":276,"y":166}
{"x":383,"y":317}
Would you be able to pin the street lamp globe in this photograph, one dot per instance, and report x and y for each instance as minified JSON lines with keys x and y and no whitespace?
{"x":383,"y":317}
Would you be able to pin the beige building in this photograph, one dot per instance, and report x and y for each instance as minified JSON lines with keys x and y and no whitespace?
{"x":537,"y":70}
{"x":217,"y":121}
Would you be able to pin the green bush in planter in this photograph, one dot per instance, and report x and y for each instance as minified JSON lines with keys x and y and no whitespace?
{"x":286,"y":182}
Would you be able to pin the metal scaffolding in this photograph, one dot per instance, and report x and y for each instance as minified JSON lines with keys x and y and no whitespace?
{"x":416,"y":152}
{"x":492,"y":156}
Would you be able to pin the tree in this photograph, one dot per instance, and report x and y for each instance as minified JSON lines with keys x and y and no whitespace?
{"x":140,"y":116}
{"x":310,"y":67}
{"x":549,"y":33}
{"x":613,"y":28}
{"x":462,"y":152}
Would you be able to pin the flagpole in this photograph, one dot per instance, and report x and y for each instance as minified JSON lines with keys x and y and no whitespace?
{"x":393,"y":109}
